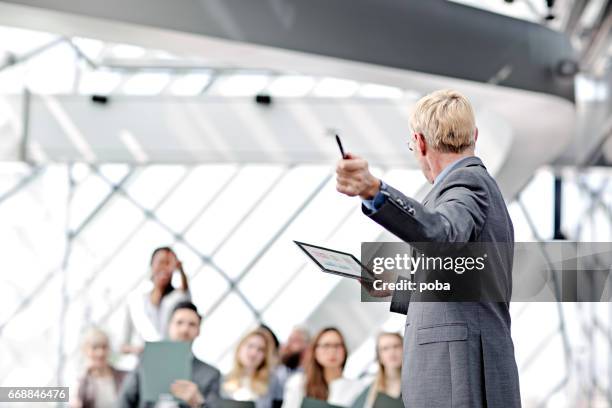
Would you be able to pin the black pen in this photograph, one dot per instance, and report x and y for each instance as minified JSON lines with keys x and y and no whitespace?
{"x":340,"y":146}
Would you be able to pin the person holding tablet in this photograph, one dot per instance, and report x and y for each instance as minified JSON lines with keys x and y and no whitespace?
{"x":456,"y":354}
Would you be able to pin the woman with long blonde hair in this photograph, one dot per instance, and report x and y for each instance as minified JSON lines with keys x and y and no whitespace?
{"x":389,"y":358}
{"x":249,"y":379}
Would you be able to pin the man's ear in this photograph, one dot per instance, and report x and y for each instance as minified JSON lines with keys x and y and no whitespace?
{"x":421,"y":144}
{"x":476,"y":135}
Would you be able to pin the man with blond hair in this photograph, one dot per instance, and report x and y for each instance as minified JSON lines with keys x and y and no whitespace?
{"x":456,"y":354}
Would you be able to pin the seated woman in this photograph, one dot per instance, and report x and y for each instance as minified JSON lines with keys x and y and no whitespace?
{"x":150,"y":307}
{"x":322,"y":378}
{"x":99,"y":386}
{"x":389,"y":357}
{"x":249,"y":379}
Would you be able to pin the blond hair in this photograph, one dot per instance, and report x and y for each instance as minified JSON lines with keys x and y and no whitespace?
{"x":446,"y":119}
{"x":94,"y":336}
{"x":261,"y":377}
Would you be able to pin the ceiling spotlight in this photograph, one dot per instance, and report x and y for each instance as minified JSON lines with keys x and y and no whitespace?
{"x":263,"y":99}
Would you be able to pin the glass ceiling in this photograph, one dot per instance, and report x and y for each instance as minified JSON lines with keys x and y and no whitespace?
{"x":47,"y":64}
{"x":232,"y":225}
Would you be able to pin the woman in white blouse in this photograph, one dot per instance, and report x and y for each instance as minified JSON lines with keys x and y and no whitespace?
{"x":150,"y":307}
{"x":249,"y":379}
{"x":322,"y":378}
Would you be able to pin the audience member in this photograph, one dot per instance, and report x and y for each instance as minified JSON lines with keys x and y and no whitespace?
{"x":389,"y":358}
{"x":291,"y":358}
{"x":99,"y":386}
{"x":322,"y":378}
{"x":249,"y":379}
{"x":149,"y":308}
{"x":203,"y":389}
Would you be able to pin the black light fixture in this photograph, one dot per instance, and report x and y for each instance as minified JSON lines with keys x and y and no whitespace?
{"x":99,"y":99}
{"x":263,"y":99}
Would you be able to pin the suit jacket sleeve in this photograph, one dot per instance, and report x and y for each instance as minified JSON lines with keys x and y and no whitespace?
{"x":211,"y":391}
{"x":458,"y":215}
{"x":129,"y":397}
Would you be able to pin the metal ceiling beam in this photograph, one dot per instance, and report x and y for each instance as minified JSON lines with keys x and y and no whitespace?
{"x":434,"y":36}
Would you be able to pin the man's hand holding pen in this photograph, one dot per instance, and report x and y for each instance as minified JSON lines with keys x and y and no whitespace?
{"x":353,"y":178}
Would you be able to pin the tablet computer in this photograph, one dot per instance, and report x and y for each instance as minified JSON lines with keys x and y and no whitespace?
{"x":336,"y":262}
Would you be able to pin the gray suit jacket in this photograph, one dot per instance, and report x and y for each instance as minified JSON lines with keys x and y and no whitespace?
{"x":456,"y":354}
{"x":204,"y":375}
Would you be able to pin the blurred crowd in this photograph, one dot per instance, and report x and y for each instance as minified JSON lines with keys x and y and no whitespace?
{"x":264,"y":372}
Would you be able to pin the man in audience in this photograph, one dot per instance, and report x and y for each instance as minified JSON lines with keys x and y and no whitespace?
{"x":291,"y":356}
{"x":203,"y":389}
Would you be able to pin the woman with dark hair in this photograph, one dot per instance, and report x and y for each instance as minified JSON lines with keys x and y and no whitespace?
{"x":149,"y":308}
{"x":323,"y":373}
{"x":389,"y":358}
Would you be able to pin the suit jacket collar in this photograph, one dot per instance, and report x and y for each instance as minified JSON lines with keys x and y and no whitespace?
{"x":465,"y":162}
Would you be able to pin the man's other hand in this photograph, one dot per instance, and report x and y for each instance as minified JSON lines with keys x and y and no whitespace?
{"x":353,"y":178}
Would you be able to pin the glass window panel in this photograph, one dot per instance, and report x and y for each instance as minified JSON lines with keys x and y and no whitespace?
{"x":185,"y":203}
{"x":239,"y":84}
{"x":74,"y":327}
{"x":52,"y":71}
{"x":114,"y":172}
{"x":192,"y":262}
{"x":291,"y":86}
{"x":220,"y":329}
{"x":335,"y":88}
{"x":37,"y":315}
{"x":12,"y":80}
{"x":82,"y":265}
{"x":522,"y":231}
{"x":10,"y":297}
{"x":88,"y":46}
{"x":408,"y":181}
{"x":126,"y":51}
{"x":230,"y":206}
{"x":207,"y":287}
{"x":21,"y":41}
{"x":146,"y":83}
{"x":35,"y":368}
{"x":327,"y":211}
{"x":152,"y":183}
{"x":380,"y":91}
{"x":86,"y":197}
{"x":99,"y":82}
{"x":269,"y":217}
{"x":110,"y":227}
{"x":537,"y":197}
{"x":272,"y":272}
{"x":190,"y":84}
{"x":302,"y":297}
{"x":7,"y":362}
{"x":128,"y":268}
